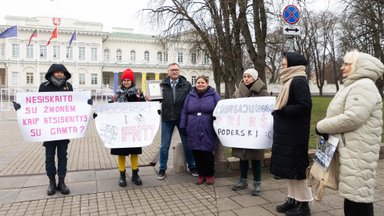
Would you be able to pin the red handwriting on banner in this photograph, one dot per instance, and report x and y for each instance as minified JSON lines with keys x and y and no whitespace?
{"x":137,"y":133}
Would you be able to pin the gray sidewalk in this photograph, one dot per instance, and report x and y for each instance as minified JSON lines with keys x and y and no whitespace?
{"x":93,"y":181}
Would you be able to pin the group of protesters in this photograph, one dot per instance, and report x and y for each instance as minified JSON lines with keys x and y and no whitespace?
{"x":354,"y":116}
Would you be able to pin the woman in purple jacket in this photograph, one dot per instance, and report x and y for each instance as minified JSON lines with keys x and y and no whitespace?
{"x":197,"y":122}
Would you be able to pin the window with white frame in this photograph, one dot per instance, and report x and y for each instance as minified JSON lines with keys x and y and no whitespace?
{"x":160,"y":57}
{"x":179,"y":57}
{"x":29,"y":53}
{"x":43,"y":51}
{"x":106,"y":55}
{"x":81,"y":53}
{"x":193,"y":57}
{"x":94,"y":78}
{"x":94,"y":54}
{"x":56,"y":52}
{"x":146,"y":56}
{"x":206,"y":59}
{"x":15,"y":78}
{"x":133,"y":56}
{"x":69,"y":53}
{"x":118,"y":55}
{"x":29,"y":78}
{"x":193,"y":80}
{"x":106,"y":80}
{"x":15,"y":50}
{"x":42,"y":77}
{"x":81,"y":79}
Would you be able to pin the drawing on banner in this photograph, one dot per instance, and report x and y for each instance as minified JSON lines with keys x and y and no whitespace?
{"x":325,"y":151}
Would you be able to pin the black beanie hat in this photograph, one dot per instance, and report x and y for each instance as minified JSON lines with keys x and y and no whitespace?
{"x":295,"y":59}
{"x":57,"y":67}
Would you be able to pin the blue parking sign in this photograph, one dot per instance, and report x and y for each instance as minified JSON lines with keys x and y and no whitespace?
{"x":291,"y":14}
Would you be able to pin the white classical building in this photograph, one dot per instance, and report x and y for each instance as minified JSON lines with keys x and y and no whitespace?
{"x":94,"y":59}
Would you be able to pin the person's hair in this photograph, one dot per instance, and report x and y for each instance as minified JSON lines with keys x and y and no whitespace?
{"x":205,"y":78}
{"x":173,"y":64}
{"x":351,"y":58}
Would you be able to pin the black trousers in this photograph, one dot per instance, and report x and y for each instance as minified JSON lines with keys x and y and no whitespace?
{"x":357,"y":209}
{"x":205,"y":162}
{"x":50,"y":152}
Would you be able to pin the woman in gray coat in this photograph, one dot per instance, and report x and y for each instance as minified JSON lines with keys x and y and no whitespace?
{"x":355,"y":117}
{"x":250,"y":86}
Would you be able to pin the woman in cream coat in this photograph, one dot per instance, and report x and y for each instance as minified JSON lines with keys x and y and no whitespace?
{"x":355,"y":117}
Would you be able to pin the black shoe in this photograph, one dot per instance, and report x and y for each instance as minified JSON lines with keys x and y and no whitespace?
{"x":62,"y":187}
{"x":122,"y":180}
{"x":288,"y":205}
{"x":136,"y":178}
{"x":301,"y":209}
{"x":194,"y":172}
{"x":161,"y":175}
{"x":52,"y":186}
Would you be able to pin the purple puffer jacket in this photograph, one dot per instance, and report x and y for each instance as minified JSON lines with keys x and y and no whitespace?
{"x":196,"y":117}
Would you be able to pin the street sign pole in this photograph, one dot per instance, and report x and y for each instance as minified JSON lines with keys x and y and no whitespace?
{"x":291,"y":16}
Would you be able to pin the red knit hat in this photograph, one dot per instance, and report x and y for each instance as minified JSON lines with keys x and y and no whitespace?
{"x":128,"y":74}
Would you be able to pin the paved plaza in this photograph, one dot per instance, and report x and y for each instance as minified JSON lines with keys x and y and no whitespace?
{"x":93,"y":180}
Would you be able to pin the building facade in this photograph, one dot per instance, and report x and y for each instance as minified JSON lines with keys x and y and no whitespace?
{"x":95,"y":58}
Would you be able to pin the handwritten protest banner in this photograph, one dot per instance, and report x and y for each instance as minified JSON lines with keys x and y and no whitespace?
{"x":245,"y":122}
{"x":122,"y":125}
{"x":46,"y":116}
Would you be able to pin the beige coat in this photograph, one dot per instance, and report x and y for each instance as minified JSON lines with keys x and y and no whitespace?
{"x":355,"y":116}
{"x":257,"y":89}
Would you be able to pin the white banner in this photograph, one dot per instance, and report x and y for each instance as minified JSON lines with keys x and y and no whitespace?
{"x":245,"y":122}
{"x":46,"y":116}
{"x":132,"y":124}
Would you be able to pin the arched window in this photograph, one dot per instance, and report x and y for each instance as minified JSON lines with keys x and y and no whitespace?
{"x":106,"y":55}
{"x":146,"y":56}
{"x":118,"y":55}
{"x":133,"y":56}
{"x":160,"y":57}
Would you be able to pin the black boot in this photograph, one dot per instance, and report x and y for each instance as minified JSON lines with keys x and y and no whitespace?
{"x":122,"y":180}
{"x":136,"y":178}
{"x":302,"y":209}
{"x":62,"y":187}
{"x":288,"y":205}
{"x":52,"y":186}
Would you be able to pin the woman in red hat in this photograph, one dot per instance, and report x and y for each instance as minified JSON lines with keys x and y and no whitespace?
{"x":128,"y":93}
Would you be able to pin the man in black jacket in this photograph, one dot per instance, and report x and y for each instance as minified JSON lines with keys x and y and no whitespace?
{"x":56,"y":77}
{"x":175,"y":88}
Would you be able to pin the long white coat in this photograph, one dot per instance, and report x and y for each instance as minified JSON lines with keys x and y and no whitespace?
{"x":355,"y":116}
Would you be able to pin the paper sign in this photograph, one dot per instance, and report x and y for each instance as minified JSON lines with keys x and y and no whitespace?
{"x":47,"y":116}
{"x":131,"y":124}
{"x":245,"y":122}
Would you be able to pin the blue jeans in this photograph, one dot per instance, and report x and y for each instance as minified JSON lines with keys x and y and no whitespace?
{"x":167,"y":128}
{"x":50,"y":150}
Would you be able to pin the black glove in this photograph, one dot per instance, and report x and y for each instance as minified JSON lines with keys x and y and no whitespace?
{"x":325,"y":135}
{"x":94,"y":115}
{"x":213,"y":118}
{"x":274,"y":112}
{"x":16,"y":105}
{"x":183,"y":131}
{"x":90,"y":101}
{"x":159,"y":112}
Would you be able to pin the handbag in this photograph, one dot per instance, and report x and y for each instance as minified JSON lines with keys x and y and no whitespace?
{"x":319,"y":176}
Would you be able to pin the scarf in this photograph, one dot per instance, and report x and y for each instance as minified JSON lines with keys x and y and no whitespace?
{"x":286,"y":77}
{"x":58,"y":82}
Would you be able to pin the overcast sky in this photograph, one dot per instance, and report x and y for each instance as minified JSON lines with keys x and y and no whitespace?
{"x":111,"y":13}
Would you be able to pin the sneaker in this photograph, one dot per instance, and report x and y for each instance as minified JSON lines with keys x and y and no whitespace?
{"x":161,"y":175}
{"x":194,"y":172}
{"x":240,"y":185}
